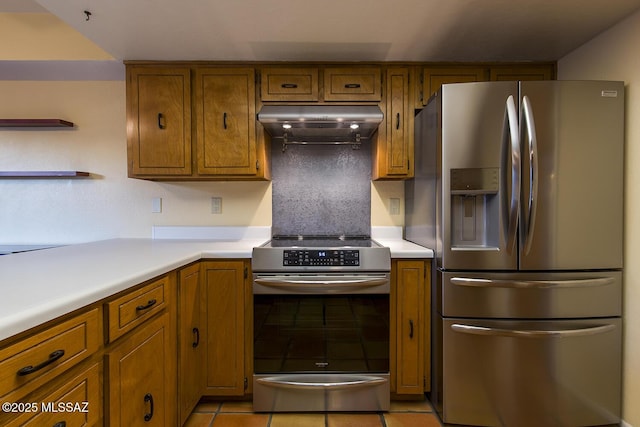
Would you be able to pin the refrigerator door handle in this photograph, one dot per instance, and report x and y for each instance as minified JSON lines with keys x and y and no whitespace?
{"x":532,"y":284}
{"x":532,"y":148}
{"x":510,"y":152}
{"x":519,"y":333}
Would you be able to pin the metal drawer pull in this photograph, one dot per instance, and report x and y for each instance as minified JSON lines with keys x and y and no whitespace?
{"x":60,"y":424}
{"x":161,"y":124}
{"x":31,"y":369}
{"x":196,"y":333}
{"x":288,"y":85}
{"x":325,"y":285}
{"x":224,"y":120}
{"x":149,"y":304}
{"x":516,"y":333}
{"x":357,"y":382}
{"x":532,"y":284}
{"x":352,"y":86}
{"x":411,"y":329}
{"x":148,"y":398}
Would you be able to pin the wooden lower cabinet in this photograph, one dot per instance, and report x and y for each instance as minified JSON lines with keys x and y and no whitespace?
{"x":142,"y":376}
{"x":410,"y":327}
{"x":226,"y":287}
{"x":73,"y":399}
{"x":191,"y":340}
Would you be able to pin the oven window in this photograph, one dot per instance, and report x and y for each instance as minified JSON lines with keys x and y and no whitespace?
{"x":320,"y":333}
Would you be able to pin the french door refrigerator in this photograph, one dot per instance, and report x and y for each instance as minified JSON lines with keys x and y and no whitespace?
{"x":519,"y":189}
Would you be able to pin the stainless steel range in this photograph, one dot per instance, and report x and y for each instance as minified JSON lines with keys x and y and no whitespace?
{"x":321,"y":324}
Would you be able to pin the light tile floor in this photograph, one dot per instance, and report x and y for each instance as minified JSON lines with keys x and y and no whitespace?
{"x":240,"y":414}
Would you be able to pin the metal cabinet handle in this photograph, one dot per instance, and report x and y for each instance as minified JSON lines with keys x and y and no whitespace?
{"x":224,"y":120}
{"x":410,"y":328}
{"x":352,"y":86}
{"x":196,"y":333}
{"x":149,"y":304}
{"x":356,"y":382}
{"x":288,"y":85}
{"x":510,"y":153}
{"x":516,"y":333}
{"x":532,"y":146}
{"x":161,"y":119}
{"x":60,"y":424}
{"x":31,"y":369}
{"x":148,"y":398}
{"x":397,"y":121}
{"x":532,"y":284}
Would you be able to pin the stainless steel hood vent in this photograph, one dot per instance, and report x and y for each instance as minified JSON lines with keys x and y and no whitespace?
{"x":320,"y":124}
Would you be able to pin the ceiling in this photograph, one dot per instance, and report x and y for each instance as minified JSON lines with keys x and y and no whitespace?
{"x":336,"y":30}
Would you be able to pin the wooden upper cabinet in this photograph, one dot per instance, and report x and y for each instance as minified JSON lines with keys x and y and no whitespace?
{"x":225,"y":121}
{"x":522,"y":72}
{"x":434,"y":77}
{"x":352,"y":84}
{"x":289,"y":84}
{"x":393,"y":153}
{"x":159,"y":121}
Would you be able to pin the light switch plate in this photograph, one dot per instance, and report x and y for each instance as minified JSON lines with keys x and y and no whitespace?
{"x":156,"y":205}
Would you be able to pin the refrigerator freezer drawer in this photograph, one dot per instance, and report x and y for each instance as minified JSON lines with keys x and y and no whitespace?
{"x":531,"y":295}
{"x":539,"y":373}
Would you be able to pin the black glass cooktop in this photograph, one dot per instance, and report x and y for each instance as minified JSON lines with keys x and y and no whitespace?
{"x":322,"y":241}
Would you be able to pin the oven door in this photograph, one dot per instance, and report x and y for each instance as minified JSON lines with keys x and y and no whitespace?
{"x":321,"y":342}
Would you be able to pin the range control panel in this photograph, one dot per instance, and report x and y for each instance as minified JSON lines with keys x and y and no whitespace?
{"x":321,"y":257}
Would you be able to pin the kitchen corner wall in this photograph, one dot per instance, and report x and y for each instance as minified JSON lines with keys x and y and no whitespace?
{"x":614,"y":56}
{"x":108,"y":204}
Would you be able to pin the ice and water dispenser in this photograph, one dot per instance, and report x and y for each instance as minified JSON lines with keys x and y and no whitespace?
{"x":475,"y":208}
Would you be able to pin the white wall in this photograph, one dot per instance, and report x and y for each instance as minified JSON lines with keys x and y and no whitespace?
{"x":614,"y":55}
{"x":109,"y":204}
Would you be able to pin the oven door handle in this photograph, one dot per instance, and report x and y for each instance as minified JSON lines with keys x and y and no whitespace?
{"x":356,"y":382}
{"x":321,"y":284}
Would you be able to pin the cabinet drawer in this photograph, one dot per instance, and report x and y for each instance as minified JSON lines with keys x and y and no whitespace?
{"x":290,"y":84}
{"x":132,"y":309}
{"x":70,"y":402}
{"x":352,"y":84}
{"x":30,"y":363}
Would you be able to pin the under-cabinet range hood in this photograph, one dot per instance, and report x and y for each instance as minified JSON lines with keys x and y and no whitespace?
{"x":320,"y":124}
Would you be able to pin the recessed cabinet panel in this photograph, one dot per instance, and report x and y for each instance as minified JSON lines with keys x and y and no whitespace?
{"x":140,"y":388}
{"x":159,"y":121}
{"x":352,"y":84}
{"x":435,"y":77}
{"x":289,"y":84}
{"x":226,"y":123}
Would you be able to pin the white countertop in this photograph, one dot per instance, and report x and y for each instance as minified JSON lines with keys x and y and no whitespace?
{"x":39,"y":286}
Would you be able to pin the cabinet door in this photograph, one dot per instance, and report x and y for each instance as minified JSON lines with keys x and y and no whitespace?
{"x":289,"y":84}
{"x":225,"y":121}
{"x":224,"y":296}
{"x":412,"y":326}
{"x":522,"y":72}
{"x":159,"y":121}
{"x":141,"y":385}
{"x":191,"y":336}
{"x":394,"y":144}
{"x":352,"y":84}
{"x":74,"y":400}
{"x":434,"y":77}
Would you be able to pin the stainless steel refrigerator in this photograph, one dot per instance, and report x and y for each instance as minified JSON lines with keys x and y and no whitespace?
{"x":519,"y":190}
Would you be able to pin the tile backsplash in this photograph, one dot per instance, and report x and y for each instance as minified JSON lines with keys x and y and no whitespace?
{"x":321,"y":190}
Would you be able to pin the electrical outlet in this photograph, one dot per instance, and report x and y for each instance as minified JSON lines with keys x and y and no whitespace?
{"x":394,"y":206}
{"x":216,"y":205}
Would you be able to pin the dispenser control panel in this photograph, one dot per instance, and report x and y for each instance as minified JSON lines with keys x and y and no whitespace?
{"x":475,"y":181}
